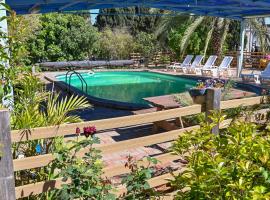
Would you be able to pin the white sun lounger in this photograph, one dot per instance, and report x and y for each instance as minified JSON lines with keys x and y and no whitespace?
{"x":263,"y":77}
{"x":197,"y":62}
{"x":186,"y":62}
{"x":208,"y":65}
{"x":219,"y":70}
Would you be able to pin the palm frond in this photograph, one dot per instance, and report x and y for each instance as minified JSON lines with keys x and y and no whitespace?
{"x":58,"y":109}
{"x":208,"y":38}
{"x":188,"y":33}
{"x":261,"y":31}
{"x":167,"y":24}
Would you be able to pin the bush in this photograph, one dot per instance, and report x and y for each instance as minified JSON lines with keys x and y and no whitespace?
{"x":82,"y":174}
{"x":232,"y":165}
{"x":145,"y":44}
{"x":63,"y":37}
{"x":117,"y":44}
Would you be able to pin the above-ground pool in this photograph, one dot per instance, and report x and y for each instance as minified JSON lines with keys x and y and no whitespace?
{"x":130,"y":87}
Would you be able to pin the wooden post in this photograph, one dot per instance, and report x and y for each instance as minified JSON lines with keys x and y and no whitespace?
{"x":212,"y":102}
{"x":7,"y":183}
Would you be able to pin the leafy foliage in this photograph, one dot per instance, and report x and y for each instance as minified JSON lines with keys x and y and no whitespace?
{"x":145,"y":44}
{"x":231,"y":165}
{"x":131,"y":19}
{"x":63,"y":37}
{"x":82,"y":174}
{"x":113,"y":44}
{"x":136,"y":181}
{"x":34,"y":107}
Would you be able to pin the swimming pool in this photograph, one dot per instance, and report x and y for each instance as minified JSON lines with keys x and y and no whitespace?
{"x":130,"y":87}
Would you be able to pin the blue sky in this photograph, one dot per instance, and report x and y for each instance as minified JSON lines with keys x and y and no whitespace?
{"x":94,"y":16}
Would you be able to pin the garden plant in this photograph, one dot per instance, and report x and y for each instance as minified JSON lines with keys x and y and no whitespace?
{"x":231,"y":165}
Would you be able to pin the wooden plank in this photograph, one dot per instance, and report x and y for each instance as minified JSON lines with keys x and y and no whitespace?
{"x":144,"y":141}
{"x":43,"y":160}
{"x":32,"y":162}
{"x":68,"y":129}
{"x":121,"y":169}
{"x":39,"y":187}
{"x":44,"y":186}
{"x":241,"y":102}
{"x":153,"y":182}
{"x":7,"y":183}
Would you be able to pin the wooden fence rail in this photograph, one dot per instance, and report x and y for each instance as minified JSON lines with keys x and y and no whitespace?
{"x":251,"y":59}
{"x":101,"y":125}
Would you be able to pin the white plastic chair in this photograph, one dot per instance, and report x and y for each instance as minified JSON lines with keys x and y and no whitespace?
{"x":263,"y":77}
{"x":197,"y":62}
{"x":186,"y":62}
{"x":218,"y":70}
{"x":208,"y":65}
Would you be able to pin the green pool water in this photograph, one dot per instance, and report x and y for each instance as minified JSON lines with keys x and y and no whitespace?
{"x":130,"y":87}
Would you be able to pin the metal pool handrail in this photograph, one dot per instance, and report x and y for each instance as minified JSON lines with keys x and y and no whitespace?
{"x":72,"y":72}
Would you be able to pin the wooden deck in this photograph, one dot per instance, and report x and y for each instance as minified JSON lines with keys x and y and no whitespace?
{"x":168,"y":101}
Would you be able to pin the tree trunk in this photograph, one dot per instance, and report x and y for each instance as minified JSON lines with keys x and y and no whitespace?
{"x":216,"y":37}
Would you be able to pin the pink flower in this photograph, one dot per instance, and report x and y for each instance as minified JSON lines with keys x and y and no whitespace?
{"x":89,"y":130}
{"x":267,"y":57}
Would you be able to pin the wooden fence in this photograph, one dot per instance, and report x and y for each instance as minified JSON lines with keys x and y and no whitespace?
{"x":7,"y":137}
{"x":251,"y":59}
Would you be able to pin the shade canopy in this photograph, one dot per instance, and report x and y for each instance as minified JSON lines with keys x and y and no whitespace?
{"x":234,"y":9}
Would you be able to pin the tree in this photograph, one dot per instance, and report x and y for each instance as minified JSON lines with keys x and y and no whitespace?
{"x":20,"y":29}
{"x":210,"y":28}
{"x":117,"y":44}
{"x":63,"y":37}
{"x":145,"y":43}
{"x":133,"y":19}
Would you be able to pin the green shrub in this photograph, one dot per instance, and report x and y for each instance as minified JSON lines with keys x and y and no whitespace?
{"x":62,"y":37}
{"x":232,"y":165}
{"x":136,"y":181}
{"x":83,"y":172}
{"x":115,"y":44}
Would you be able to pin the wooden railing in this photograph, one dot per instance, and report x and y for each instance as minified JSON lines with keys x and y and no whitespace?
{"x":251,"y":59}
{"x":106,"y":149}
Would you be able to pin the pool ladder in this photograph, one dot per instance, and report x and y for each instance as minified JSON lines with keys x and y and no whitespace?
{"x":70,"y":73}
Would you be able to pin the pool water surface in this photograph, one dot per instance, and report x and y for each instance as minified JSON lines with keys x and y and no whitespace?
{"x":130,"y":87}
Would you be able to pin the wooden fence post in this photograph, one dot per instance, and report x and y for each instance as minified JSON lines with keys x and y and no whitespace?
{"x":7,"y":183}
{"x":212,"y":102}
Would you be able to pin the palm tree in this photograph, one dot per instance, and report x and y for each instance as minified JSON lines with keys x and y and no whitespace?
{"x":217,"y":30}
{"x":259,"y":27}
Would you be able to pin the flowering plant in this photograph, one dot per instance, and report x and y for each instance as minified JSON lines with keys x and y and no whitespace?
{"x":267,"y":57}
{"x":87,"y":131}
{"x":210,"y":83}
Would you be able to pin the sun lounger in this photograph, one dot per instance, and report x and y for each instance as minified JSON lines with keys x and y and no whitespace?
{"x":208,"y":65}
{"x":219,"y":70}
{"x":186,"y":62}
{"x":263,"y":77}
{"x":197,"y":62}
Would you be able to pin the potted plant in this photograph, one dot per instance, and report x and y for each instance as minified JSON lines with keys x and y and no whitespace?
{"x":200,"y":88}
